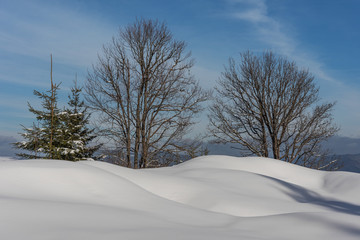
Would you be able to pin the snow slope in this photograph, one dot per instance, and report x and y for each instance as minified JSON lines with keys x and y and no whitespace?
{"x":213,"y":197}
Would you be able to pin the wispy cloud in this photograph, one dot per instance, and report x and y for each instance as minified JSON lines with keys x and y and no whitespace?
{"x":256,"y":12}
{"x":277,"y":36}
{"x":37,"y":30}
{"x":31,"y":30}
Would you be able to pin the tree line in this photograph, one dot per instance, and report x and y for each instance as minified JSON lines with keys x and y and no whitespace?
{"x":146,"y":98}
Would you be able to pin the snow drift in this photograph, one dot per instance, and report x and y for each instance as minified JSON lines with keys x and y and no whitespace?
{"x":213,"y":197}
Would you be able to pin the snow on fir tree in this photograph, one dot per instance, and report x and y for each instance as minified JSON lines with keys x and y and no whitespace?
{"x":32,"y":142}
{"x":76,"y":135}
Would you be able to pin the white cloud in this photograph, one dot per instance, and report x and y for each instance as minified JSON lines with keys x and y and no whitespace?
{"x":277,"y":36}
{"x":256,"y":13}
{"x":29,"y":32}
{"x":37,"y":30}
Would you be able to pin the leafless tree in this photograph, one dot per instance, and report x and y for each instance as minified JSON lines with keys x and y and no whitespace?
{"x":267,"y":105}
{"x":145,"y":93}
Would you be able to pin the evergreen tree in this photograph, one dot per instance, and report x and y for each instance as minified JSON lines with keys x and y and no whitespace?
{"x":76,"y":136}
{"x":58,"y":135}
{"x":42,"y":141}
{"x":31,"y":143}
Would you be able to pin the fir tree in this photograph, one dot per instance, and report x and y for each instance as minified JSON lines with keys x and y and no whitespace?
{"x":58,"y":135}
{"x":42,"y":141}
{"x":76,"y":136}
{"x":32,"y":143}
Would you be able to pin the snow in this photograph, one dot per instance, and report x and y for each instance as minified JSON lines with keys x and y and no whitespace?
{"x":212,"y":197}
{"x":66,"y":151}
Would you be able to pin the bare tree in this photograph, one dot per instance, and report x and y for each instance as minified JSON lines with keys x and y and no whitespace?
{"x":144,"y":91}
{"x":268,"y":106}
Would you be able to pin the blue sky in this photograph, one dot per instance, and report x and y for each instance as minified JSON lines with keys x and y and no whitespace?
{"x":322,"y":36}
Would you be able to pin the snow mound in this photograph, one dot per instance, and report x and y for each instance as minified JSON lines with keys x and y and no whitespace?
{"x":212,"y":197}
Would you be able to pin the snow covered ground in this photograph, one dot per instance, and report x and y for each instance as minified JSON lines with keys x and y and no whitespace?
{"x":213,"y":197}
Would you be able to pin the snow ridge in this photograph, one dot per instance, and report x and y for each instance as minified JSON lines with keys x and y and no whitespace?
{"x":212,"y":197}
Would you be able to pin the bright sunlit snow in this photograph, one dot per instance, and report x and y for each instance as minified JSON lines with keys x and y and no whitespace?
{"x":213,"y":197}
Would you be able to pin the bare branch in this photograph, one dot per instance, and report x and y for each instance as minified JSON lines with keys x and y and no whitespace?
{"x":143,"y":89}
{"x":268,"y":106}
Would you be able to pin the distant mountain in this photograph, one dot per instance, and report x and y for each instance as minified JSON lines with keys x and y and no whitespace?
{"x":351,"y":162}
{"x":338,"y":145}
{"x":345,"y":148}
{"x":6,"y":149}
{"x":343,"y":145}
{"x":228,"y":149}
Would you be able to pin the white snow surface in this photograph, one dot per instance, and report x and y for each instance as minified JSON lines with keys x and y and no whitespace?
{"x":212,"y":197}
